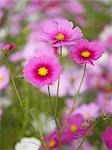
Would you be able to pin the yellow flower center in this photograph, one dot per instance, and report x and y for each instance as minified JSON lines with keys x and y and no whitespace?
{"x":86,"y":54}
{"x":42,"y":71}
{"x":60,"y":37}
{"x":52,"y":144}
{"x":73,"y":128}
{"x":1,"y":78}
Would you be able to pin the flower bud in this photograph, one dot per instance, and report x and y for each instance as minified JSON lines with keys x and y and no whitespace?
{"x":8,"y":47}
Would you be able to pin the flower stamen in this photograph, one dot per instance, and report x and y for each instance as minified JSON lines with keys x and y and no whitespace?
{"x":42,"y":71}
{"x":60,"y":37}
{"x":85,"y":54}
{"x":1,"y":78}
{"x":52,"y":144}
{"x":73,"y":128}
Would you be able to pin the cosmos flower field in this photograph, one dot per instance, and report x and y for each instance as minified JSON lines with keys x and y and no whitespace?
{"x":55,"y":75}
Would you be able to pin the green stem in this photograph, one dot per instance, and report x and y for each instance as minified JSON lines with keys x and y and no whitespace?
{"x":76,"y":96}
{"x":52,"y":107}
{"x":19,"y":98}
{"x":50,"y":101}
{"x":54,"y":115}
{"x":56,"y":104}
{"x":26,"y":105}
{"x":58,"y":86}
{"x":41,"y":135}
{"x":13,"y":82}
{"x":78,"y":91}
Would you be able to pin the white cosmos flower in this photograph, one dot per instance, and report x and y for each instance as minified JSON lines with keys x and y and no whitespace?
{"x":28,"y":143}
{"x":45,"y":123}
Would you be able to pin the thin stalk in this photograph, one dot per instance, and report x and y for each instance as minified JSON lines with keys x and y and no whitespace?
{"x":26,"y":105}
{"x":13,"y":82}
{"x":58,"y":86}
{"x":56,"y":101}
{"x":41,"y":135}
{"x":78,"y":91}
{"x":52,"y":107}
{"x":50,"y":101}
{"x":54,"y":115}
{"x":19,"y":98}
{"x":75,"y":97}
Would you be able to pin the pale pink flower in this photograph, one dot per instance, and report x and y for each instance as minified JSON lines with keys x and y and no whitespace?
{"x":106,"y":36}
{"x":60,"y":32}
{"x":4,"y":77}
{"x":88,"y":110}
{"x":105,"y":103}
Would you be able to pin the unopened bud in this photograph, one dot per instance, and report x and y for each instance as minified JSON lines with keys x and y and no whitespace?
{"x":8,"y":47}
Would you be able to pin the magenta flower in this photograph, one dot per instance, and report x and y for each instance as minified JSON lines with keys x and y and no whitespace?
{"x":42,"y":70}
{"x":74,"y":129}
{"x":60,"y":32}
{"x":107,"y":137}
{"x":51,"y":140}
{"x":4,"y":77}
{"x":85,"y":52}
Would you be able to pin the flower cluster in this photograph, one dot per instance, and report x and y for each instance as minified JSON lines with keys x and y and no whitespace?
{"x":46,"y":70}
{"x":73,"y":130}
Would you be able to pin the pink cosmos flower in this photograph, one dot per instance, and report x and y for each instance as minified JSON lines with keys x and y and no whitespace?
{"x":6,"y":4}
{"x":51,"y":140}
{"x":109,"y":62}
{"x":71,"y":4}
{"x":74,"y":129}
{"x":107,"y":137}
{"x":105,"y":102}
{"x":43,"y":70}
{"x":88,"y":110}
{"x":60,"y":32}
{"x":85,"y":52}
{"x":15,"y":23}
{"x":4,"y":77}
{"x":51,"y":8}
{"x":106,"y":36}
{"x":99,"y":79}
{"x":36,"y":49}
